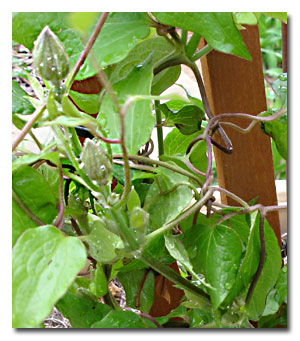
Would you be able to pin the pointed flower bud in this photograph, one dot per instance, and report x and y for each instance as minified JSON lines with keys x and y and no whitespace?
{"x":139,"y":219}
{"x":96,"y":163}
{"x":50,"y":60}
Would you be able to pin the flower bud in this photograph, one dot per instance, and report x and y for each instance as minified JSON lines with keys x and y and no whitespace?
{"x":50,"y":60}
{"x":96,"y":163}
{"x":139,"y":219}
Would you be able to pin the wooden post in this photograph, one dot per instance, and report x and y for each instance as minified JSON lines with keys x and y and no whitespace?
{"x":235,"y":85}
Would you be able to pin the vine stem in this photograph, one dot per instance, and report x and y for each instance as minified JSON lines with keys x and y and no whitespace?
{"x":162,"y":164}
{"x":60,"y":136}
{"x":204,"y":51}
{"x":37,"y":114}
{"x":261,"y":259}
{"x":217,"y":118}
{"x":60,"y":218}
{"x":184,"y":215}
{"x":26,"y":209}
{"x":159,"y":130}
{"x":86,"y":50}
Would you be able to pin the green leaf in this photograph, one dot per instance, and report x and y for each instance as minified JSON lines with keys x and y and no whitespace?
{"x":280,"y":88}
{"x":133,"y":200}
{"x":139,"y":121}
{"x":277,"y":129}
{"x":82,"y":21}
{"x":269,"y":273}
{"x":120,"y":33}
{"x":89,"y":103}
{"x":278,"y":15}
{"x":20,"y":222}
{"x":159,"y":47}
{"x":188,"y":119}
{"x":166,"y":207}
{"x":45,"y":263}
{"x":215,"y":251}
{"x":98,"y":285}
{"x":281,"y":285}
{"x":51,"y":175}
{"x":120,"y":319}
{"x":28,"y":159}
{"x":178,"y":251}
{"x":66,"y":121}
{"x":199,"y":317}
{"x":197,"y":157}
{"x":164,"y":79}
{"x":244,"y":18}
{"x":180,"y":311}
{"x":20,"y":105}
{"x":217,"y":28}
{"x":177,"y":143}
{"x":18,"y":122}
{"x":81,"y":313}
{"x":103,"y":243}
{"x":36,"y":194}
{"x":131,"y":280}
{"x":78,"y":210}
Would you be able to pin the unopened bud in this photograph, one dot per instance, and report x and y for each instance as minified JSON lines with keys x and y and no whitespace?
{"x":139,"y":219}
{"x":96,"y":163}
{"x":50,"y":60}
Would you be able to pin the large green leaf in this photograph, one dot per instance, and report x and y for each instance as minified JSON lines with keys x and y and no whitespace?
{"x":187,"y":118}
{"x":36,"y":194}
{"x":81,"y":313}
{"x":197,"y":157}
{"x":159,"y":48}
{"x":120,"y":319}
{"x":120,"y":33}
{"x":45,"y":263}
{"x":20,"y":105}
{"x":177,"y":143}
{"x":89,"y":103}
{"x":167,"y":207}
{"x":215,"y":251}
{"x":139,"y":120}
{"x":217,"y":28}
{"x":131,"y":281}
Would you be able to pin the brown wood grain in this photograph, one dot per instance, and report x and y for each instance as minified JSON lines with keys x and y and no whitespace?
{"x":235,"y":85}
{"x":166,"y":296}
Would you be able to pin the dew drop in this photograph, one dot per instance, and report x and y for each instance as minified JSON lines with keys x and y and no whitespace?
{"x":228,"y":286}
{"x":42,"y":64}
{"x":53,"y":68}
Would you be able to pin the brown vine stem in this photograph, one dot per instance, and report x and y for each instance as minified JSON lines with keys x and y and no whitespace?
{"x":217,"y":118}
{"x":262,"y":257}
{"x":60,"y":218}
{"x":37,"y":114}
{"x":213,"y":122}
{"x":26,"y":209}
{"x":232,"y":195}
{"x":162,"y":164}
{"x":87,"y":49}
